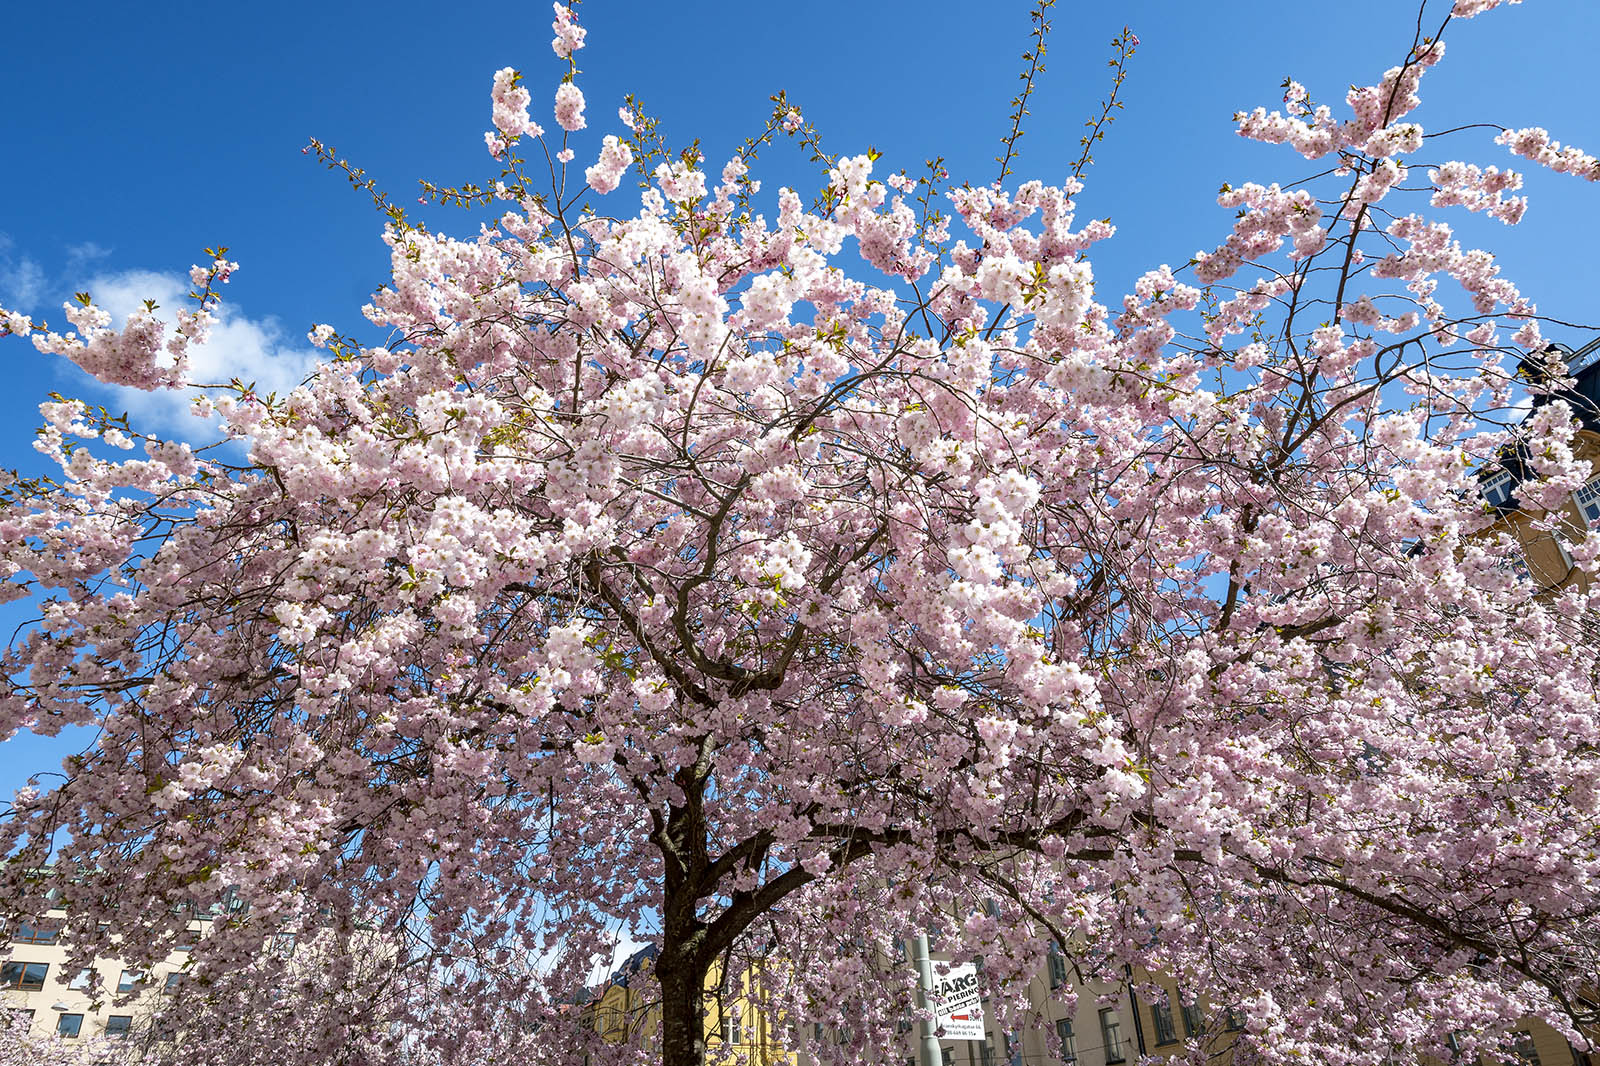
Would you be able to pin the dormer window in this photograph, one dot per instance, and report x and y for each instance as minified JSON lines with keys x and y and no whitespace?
{"x":1588,"y":501}
{"x":1497,"y":489}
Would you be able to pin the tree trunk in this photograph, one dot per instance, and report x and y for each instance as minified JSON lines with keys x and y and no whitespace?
{"x":682,"y":977}
{"x":684,"y":961}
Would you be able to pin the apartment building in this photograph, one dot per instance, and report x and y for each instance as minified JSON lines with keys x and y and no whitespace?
{"x":1148,"y":1015}
{"x":1104,"y":1028}
{"x":61,"y":1000}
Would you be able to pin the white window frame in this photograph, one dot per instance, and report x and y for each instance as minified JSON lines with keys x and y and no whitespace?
{"x":1490,"y":485}
{"x":1111,"y":1035}
{"x":1069,"y":1041}
{"x":1587,"y":498}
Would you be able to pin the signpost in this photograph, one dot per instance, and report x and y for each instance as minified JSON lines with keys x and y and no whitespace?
{"x":954,"y":1000}
{"x":958,"y":1004}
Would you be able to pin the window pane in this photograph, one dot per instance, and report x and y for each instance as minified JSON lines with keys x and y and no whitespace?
{"x":1069,"y":1042}
{"x":128,"y":981}
{"x":1111,"y":1034}
{"x":1058,"y":968}
{"x":1161,"y":1011}
{"x":1497,"y":490}
{"x":1515,"y":564}
{"x":1588,"y":501}
{"x":36,"y":934}
{"x":119,"y":1025}
{"x":27,"y":976}
{"x":69,"y":1025}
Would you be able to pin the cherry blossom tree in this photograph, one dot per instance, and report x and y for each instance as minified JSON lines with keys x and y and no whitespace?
{"x":768,"y":577}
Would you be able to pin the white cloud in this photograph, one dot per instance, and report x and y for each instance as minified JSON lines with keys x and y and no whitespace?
{"x":253,"y":350}
{"x":22,"y":280}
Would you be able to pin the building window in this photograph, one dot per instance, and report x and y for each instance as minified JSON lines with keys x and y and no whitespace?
{"x":1522,"y":1044}
{"x":129,"y":980}
{"x":1516,"y":564}
{"x":732,"y":1029}
{"x":25,"y":976}
{"x":1235,"y":1020}
{"x":1111,"y":1034}
{"x":1497,"y":489}
{"x":36,"y":934}
{"x":986,"y":1051}
{"x":1194,"y":1019}
{"x":1069,"y":1043}
{"x":1588,"y":501}
{"x":1161,"y":1012}
{"x":173,"y":980}
{"x":118,"y":1026}
{"x":68,"y":1026}
{"x":1058,"y":967}
{"x":80,"y":981}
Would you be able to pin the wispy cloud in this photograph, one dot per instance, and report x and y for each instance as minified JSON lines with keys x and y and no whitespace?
{"x":82,"y":257}
{"x":22,"y":280}
{"x":253,"y":350}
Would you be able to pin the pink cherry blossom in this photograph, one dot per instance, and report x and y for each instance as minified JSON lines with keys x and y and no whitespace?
{"x":569,"y":107}
{"x":767,"y":576}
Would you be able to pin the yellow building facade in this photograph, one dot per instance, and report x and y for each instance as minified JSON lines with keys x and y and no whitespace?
{"x":621,"y":1010}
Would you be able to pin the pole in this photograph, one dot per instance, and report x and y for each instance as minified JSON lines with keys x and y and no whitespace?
{"x":1133,"y":1003}
{"x":928,"y":1052}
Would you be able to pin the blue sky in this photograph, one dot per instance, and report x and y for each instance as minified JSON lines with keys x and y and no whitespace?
{"x":138,"y":134}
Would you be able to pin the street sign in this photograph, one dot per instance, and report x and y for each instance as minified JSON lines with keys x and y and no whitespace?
{"x":957,"y":1004}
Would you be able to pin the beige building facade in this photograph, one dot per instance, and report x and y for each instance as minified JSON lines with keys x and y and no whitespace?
{"x":60,"y":1000}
